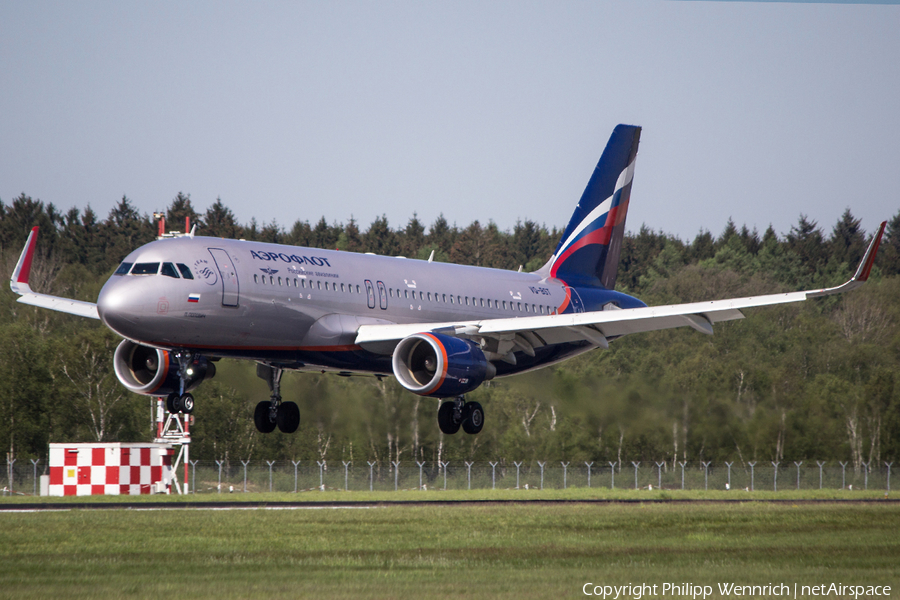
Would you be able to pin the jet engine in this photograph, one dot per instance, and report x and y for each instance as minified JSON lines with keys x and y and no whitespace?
{"x":434,"y":364}
{"x":154,"y":372}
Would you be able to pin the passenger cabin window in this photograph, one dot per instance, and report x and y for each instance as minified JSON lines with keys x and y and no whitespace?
{"x":185,"y":272}
{"x":145,"y":269}
{"x":255,"y":278}
{"x":168,"y":269}
{"x":123,"y":269}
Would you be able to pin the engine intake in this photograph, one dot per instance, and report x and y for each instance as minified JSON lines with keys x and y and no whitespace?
{"x":153,"y":372}
{"x":434,"y":364}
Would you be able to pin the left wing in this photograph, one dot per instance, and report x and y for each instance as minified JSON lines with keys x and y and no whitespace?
{"x":18,"y":282}
{"x":597,"y":327}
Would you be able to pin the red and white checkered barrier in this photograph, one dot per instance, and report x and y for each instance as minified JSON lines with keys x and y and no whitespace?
{"x":110,"y":469}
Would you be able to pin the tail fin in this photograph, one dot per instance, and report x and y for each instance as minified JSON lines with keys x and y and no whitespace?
{"x":588,"y":253}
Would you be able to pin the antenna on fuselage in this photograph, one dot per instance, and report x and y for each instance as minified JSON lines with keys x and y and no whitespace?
{"x":431,"y":258}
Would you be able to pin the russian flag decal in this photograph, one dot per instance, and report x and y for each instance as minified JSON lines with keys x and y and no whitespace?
{"x":194,"y":298}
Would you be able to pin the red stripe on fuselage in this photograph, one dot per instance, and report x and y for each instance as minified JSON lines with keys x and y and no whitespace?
{"x":345,"y":348}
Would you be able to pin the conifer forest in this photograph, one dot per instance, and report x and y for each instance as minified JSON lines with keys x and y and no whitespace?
{"x":814,"y":380}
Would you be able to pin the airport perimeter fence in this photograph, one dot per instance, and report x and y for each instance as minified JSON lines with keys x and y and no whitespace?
{"x":221,"y":476}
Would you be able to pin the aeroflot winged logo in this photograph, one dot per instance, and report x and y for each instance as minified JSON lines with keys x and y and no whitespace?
{"x":318,"y":261}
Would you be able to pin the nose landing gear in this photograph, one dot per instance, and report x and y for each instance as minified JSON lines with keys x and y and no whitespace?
{"x":275,"y":413}
{"x":181,"y":402}
{"x":458,"y":413}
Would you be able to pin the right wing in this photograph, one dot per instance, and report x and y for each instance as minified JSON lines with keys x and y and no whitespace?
{"x":506,"y":336}
{"x":18,"y":282}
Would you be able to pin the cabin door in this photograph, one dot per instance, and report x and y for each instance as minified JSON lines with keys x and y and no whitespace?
{"x":230,"y":288}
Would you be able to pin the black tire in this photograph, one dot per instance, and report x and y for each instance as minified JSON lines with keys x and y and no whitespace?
{"x":473,"y":418}
{"x":176,"y":404}
{"x":445,"y":418}
{"x":187,"y":404}
{"x":170,"y":403}
{"x":288,"y":417}
{"x":261,"y":418}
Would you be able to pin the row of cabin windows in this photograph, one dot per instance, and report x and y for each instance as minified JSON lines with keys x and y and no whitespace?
{"x":303,"y":283}
{"x":407,"y":294}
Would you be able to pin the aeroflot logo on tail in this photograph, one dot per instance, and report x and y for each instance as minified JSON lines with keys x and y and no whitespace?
{"x":317,"y":261}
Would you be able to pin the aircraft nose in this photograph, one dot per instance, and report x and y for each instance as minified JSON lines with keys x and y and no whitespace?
{"x":117,"y":307}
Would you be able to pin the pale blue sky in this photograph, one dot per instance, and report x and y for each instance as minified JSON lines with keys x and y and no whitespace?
{"x":496,"y":111}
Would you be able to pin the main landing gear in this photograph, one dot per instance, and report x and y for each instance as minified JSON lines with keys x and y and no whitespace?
{"x":458,"y":412}
{"x":181,"y":402}
{"x":268,"y":415}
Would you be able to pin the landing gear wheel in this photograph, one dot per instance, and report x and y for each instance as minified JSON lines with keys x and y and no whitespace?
{"x":187,"y":404}
{"x":170,"y":403}
{"x":446,"y":422}
{"x":473,"y":417}
{"x":288,"y":417}
{"x":176,"y":404}
{"x":261,"y":419}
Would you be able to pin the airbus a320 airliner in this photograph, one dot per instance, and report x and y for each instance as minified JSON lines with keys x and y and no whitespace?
{"x":440,"y":329}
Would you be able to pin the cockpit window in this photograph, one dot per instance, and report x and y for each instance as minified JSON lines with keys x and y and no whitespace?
{"x":168,"y":269}
{"x":123,"y":269}
{"x":185,"y":272}
{"x":145,"y":269}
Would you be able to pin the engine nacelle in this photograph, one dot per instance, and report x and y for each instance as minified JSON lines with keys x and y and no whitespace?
{"x":433,"y":364}
{"x":153,"y":372}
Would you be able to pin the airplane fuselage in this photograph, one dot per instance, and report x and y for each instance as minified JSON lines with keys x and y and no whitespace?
{"x":300,"y":307}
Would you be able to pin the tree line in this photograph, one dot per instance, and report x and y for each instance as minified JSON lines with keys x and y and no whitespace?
{"x":808,"y":381}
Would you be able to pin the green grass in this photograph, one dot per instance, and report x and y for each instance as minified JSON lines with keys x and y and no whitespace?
{"x":485,"y":551}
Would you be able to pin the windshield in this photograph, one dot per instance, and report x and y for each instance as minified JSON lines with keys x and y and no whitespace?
{"x":145,"y":269}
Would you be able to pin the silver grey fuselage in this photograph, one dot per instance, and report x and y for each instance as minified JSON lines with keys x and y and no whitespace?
{"x":301,"y":307}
